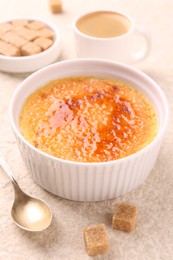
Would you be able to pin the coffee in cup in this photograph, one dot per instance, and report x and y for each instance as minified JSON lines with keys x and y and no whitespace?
{"x":109,"y":35}
{"x":103,"y":24}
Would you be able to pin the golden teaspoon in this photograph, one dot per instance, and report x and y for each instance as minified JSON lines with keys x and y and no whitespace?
{"x":28,"y":213}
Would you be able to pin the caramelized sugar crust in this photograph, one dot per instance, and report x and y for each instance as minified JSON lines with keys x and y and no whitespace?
{"x":88,"y":119}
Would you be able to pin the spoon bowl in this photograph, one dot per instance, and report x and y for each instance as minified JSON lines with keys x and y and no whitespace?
{"x":28,"y":213}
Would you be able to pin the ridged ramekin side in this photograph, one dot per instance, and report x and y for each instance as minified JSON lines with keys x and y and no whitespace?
{"x":81,"y":182}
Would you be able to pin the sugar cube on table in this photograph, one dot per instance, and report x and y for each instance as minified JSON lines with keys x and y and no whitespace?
{"x":124,"y":218}
{"x":96,"y":239}
{"x":55,"y":6}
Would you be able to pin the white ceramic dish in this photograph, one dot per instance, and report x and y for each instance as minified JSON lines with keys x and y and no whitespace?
{"x":90,"y":181}
{"x":32,"y":63}
{"x":112,"y":48}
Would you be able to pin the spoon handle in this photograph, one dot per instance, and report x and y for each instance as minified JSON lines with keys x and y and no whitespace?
{"x":6,"y":168}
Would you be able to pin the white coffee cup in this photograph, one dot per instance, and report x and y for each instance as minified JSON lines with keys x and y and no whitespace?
{"x":110,"y":35}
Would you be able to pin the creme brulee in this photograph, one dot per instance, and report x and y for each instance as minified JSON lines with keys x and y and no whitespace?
{"x":88,"y":119}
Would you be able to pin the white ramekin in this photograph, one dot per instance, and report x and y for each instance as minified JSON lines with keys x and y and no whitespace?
{"x":89,"y":181}
{"x":32,"y":63}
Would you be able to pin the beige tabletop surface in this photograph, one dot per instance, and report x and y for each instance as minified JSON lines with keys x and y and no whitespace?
{"x":63,"y":240}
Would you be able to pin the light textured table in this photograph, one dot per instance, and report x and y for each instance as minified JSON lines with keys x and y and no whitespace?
{"x":63,"y":240}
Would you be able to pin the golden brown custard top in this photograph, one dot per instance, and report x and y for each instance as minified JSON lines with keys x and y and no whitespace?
{"x":87,"y":119}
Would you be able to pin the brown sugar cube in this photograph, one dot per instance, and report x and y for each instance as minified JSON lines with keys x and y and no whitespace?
{"x":45,"y":32}
{"x":44,"y":43}
{"x":55,"y":6}
{"x":124,"y":218}
{"x":13,"y":38}
{"x":8,"y":49}
{"x":36,"y":25}
{"x":96,"y":239}
{"x":26,"y":33}
{"x":30,"y":48}
{"x":5,"y":27}
{"x":20,"y":22}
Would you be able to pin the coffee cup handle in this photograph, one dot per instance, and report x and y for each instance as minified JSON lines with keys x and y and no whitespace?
{"x":143,"y":53}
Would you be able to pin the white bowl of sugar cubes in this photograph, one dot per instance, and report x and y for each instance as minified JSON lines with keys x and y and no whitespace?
{"x":28,"y":44}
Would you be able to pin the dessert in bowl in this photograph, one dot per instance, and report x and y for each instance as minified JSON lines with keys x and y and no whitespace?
{"x":88,"y":119}
{"x":96,"y":160}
